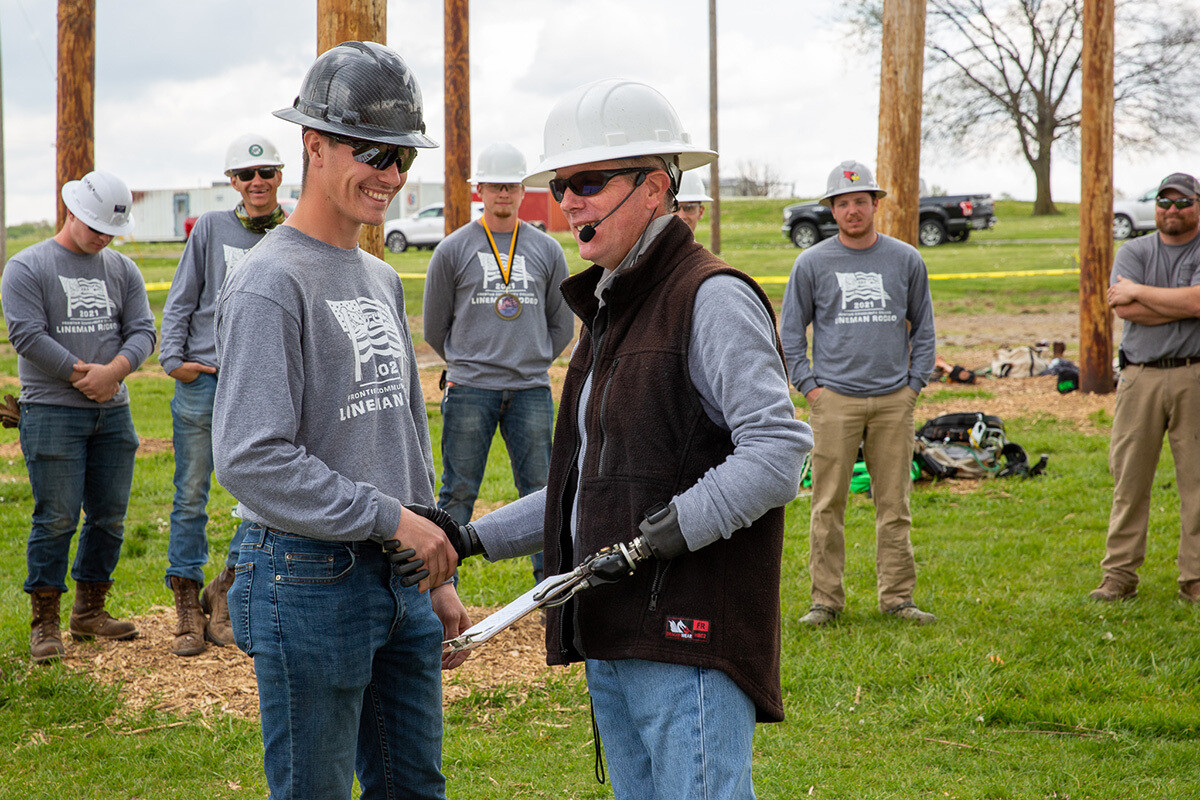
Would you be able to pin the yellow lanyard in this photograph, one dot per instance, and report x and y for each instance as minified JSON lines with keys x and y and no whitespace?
{"x":512,"y":248}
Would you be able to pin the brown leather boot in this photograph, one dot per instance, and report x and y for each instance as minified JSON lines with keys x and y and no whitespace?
{"x":45,"y":640}
{"x":90,"y":620}
{"x":219,"y":631}
{"x":189,"y":631}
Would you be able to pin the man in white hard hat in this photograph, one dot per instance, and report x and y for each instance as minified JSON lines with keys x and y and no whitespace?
{"x":494,"y":312}
{"x":675,"y":423}
{"x":188,"y":354}
{"x":320,"y":432}
{"x":691,"y":199}
{"x":866,"y":296}
{"x":80,"y":321}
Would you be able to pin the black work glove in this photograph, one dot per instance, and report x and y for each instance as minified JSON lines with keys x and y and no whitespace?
{"x":462,"y":538}
{"x":405,"y":565}
{"x":661,"y":530}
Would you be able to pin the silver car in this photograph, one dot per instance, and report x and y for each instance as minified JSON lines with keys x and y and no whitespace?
{"x":1134,"y":217}
{"x":424,"y":229}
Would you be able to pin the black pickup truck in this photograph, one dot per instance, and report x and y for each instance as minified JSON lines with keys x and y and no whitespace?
{"x":943,"y":218}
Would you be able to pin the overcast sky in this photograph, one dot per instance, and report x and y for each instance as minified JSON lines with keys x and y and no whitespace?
{"x":176,"y":82}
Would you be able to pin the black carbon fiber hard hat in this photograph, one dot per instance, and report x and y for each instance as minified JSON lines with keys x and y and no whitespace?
{"x":363,"y":90}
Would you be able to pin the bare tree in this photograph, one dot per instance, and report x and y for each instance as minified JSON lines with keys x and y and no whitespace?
{"x":1010,"y":69}
{"x":756,"y":179}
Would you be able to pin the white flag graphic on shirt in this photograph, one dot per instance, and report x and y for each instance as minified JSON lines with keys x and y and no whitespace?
{"x":86,"y":294}
{"x":373,"y":331}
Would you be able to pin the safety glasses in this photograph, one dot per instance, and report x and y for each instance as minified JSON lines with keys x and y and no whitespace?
{"x":1178,"y":202}
{"x":247,"y":175}
{"x":377,"y":154}
{"x":591,"y":182}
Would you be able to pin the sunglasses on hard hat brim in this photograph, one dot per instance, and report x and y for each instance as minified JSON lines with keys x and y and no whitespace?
{"x":590,"y":182}
{"x":378,"y":154}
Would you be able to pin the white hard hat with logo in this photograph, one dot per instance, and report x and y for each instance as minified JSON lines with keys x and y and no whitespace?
{"x":615,"y":118}
{"x":691,"y":189}
{"x":251,"y":150}
{"x":101,"y":201}
{"x":500,"y":162}
{"x":847,"y":177}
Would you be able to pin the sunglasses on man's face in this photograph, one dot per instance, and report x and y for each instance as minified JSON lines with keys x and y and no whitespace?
{"x":378,"y":154}
{"x":247,"y":175}
{"x":591,"y":182}
{"x":1178,"y":202}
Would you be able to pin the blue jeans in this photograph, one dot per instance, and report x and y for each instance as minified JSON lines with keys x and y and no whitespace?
{"x":672,"y":732}
{"x":78,"y":458}
{"x":348,"y":664}
{"x":191,"y":434}
{"x":469,"y":421}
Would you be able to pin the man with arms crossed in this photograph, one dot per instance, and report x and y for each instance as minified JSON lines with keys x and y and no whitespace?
{"x":189,"y":355}
{"x":866,"y":296}
{"x":320,"y":432}
{"x":493,"y":311}
{"x":1155,"y":289}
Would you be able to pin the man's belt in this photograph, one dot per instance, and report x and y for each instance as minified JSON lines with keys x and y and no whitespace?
{"x":1167,"y":363}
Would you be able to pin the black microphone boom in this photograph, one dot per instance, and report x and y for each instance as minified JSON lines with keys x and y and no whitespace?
{"x":588,"y":232}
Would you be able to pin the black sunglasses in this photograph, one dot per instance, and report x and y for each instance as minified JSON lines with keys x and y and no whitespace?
{"x":1179,"y":202}
{"x":378,"y":154}
{"x":591,"y":182}
{"x":247,"y":175}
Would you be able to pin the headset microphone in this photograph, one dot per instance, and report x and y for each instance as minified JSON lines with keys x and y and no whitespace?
{"x":588,"y":232}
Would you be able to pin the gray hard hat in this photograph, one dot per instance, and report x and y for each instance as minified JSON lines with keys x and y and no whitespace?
{"x":847,"y":177}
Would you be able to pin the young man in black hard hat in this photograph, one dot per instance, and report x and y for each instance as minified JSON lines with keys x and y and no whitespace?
{"x":319,"y":430}
{"x":189,"y":355}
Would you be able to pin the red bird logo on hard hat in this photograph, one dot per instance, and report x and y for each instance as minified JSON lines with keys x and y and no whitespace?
{"x":850,"y":175}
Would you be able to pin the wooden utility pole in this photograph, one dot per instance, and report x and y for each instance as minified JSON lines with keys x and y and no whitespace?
{"x":76,"y":154}
{"x":898,"y":161}
{"x":354,"y":21}
{"x":1096,"y":198}
{"x":714,"y":170}
{"x":458,"y":114}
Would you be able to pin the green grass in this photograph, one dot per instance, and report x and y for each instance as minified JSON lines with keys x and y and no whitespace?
{"x":1023,"y":689}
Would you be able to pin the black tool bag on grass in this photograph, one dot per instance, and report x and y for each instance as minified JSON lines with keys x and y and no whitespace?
{"x":970,"y":445}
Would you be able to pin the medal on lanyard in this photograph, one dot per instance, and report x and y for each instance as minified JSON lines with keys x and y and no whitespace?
{"x":508,"y":305}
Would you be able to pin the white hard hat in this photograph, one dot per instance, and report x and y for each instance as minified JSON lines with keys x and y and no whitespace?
{"x":500,"y":163}
{"x":691,"y":189}
{"x":101,"y":201}
{"x":847,"y":177}
{"x":251,"y":150}
{"x":615,"y":118}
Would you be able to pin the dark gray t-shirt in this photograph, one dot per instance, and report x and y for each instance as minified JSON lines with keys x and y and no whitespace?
{"x":319,"y":423}
{"x":1148,"y":261}
{"x":871,"y":317}
{"x":218,"y":242}
{"x":496,"y":335}
{"x":62,"y":307}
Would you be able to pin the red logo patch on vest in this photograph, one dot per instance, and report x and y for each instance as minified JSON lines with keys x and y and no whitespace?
{"x":689,"y":630}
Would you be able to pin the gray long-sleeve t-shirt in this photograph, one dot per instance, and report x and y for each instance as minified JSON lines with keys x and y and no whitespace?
{"x":218,"y":242}
{"x":319,"y":423}
{"x":62,"y":307}
{"x":736,"y":371}
{"x":871,"y":316}
{"x":495,"y":335}
{"x":1148,"y":261}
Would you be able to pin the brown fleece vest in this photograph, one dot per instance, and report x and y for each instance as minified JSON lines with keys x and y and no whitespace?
{"x":648,"y":439}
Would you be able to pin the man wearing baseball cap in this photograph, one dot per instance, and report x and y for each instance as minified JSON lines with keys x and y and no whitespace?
{"x":866,"y":296}
{"x":320,"y":432}
{"x":1155,"y":290}
{"x":675,"y":423}
{"x":188,"y":354}
{"x":80,"y":321}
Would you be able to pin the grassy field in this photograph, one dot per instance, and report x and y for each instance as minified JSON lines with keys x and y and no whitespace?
{"x":1024,"y":689}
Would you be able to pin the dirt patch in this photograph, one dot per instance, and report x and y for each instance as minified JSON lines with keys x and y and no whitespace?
{"x":1019,"y":397}
{"x":221,"y":679}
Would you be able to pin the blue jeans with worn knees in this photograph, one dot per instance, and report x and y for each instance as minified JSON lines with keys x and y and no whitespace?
{"x":191,"y":435}
{"x":348,"y":664}
{"x":672,"y":732}
{"x":77,"y":458}
{"x":469,"y":421}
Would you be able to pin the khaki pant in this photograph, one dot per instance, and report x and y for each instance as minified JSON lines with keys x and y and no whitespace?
{"x":1150,"y":402}
{"x":884,"y":427}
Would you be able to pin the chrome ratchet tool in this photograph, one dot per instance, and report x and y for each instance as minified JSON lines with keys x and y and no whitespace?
{"x":607,"y":566}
